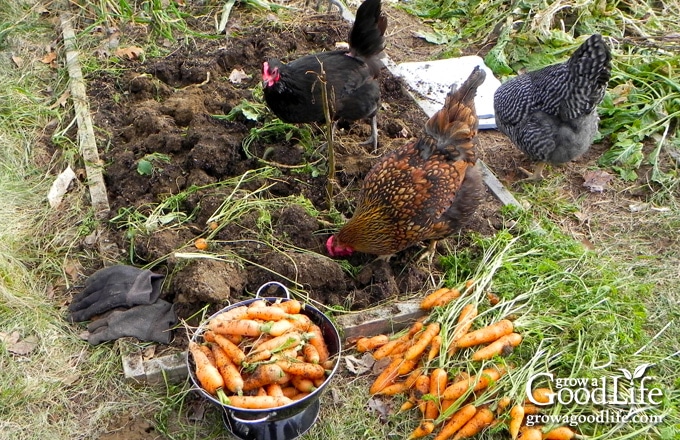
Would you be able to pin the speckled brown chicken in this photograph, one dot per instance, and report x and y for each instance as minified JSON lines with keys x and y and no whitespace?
{"x":425,"y":190}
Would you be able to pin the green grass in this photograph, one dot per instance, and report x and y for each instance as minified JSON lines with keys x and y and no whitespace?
{"x":583,"y":313}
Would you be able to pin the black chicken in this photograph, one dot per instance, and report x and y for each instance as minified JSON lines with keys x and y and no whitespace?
{"x":293,"y":90}
{"x":551,"y":114}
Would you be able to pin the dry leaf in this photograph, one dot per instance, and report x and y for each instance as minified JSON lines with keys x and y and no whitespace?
{"x":61,"y":101}
{"x":149,"y":353}
{"x":72,"y":269}
{"x":50,"y":59}
{"x":18,"y":346}
{"x":131,"y":52}
{"x":596,"y":180}
{"x":18,"y":61}
{"x":359,"y":365}
{"x":238,"y":75}
{"x":381,"y":407}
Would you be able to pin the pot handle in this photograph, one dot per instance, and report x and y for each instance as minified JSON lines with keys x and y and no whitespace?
{"x":276,"y":283}
{"x":251,"y":421}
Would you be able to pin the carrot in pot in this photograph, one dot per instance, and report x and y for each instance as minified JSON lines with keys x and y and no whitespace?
{"x":278,"y":328}
{"x":467,"y":315}
{"x":486,"y":334}
{"x":239,"y":312}
{"x":435,"y":346}
{"x":318,"y":342}
{"x":498,"y":347}
{"x":207,"y":352}
{"x":242,"y":327}
{"x":423,"y":341}
{"x":279,"y":343}
{"x":482,"y":418}
{"x":310,"y":354}
{"x":289,"y":390}
{"x":232,"y":377}
{"x":274,"y":389}
{"x":263,"y":375}
{"x":516,"y":418}
{"x":232,"y":350}
{"x":292,"y":306}
{"x":438,"y":379}
{"x":207,"y":373}
{"x":300,"y":322}
{"x":257,"y":356}
{"x":369,"y":344}
{"x":259,"y":402}
{"x":387,"y":376}
{"x":425,"y":428}
{"x":302,"y":384}
{"x":304,"y":369}
{"x":257,"y":303}
{"x":267,"y":313}
{"x":456,"y":421}
{"x":300,"y":396}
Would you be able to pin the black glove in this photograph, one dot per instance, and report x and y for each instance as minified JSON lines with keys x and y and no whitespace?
{"x":115,"y":286}
{"x":146,"y":323}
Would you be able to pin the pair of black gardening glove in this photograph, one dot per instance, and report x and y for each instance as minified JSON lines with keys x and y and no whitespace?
{"x":145,"y":316}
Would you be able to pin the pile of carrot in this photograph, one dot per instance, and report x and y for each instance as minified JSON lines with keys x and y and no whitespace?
{"x":261,"y":355}
{"x":432,"y":390}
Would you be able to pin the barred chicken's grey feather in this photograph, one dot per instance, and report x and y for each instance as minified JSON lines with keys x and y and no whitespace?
{"x":551,"y":114}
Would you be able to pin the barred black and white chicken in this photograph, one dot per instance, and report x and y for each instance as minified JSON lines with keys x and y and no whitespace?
{"x":551,"y":114}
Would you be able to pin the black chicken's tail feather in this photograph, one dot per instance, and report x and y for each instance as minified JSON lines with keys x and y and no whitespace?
{"x":456,"y":123}
{"x":591,"y":63}
{"x":367,"y":36}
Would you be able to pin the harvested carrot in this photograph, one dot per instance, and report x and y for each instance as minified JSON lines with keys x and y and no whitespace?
{"x":243,"y":327}
{"x":407,"y":367}
{"x":467,"y":315}
{"x":412,"y":377}
{"x":438,"y":379}
{"x":279,"y":343}
{"x":475,"y":383}
{"x":531,"y":409}
{"x":516,"y":418}
{"x":266,"y":313}
{"x":486,"y":334}
{"x":387,"y":376}
{"x":232,"y":350}
{"x":435,"y":346}
{"x":498,"y":347}
{"x":310,"y":354}
{"x":531,"y":434}
{"x":317,"y":340}
{"x":423,"y":341}
{"x":302,"y":384}
{"x":456,"y":421}
{"x":201,"y":244}
{"x":561,"y":433}
{"x":543,"y":395}
{"x":300,"y":322}
{"x":387,"y":349}
{"x":207,"y":374}
{"x":261,"y":392}
{"x":493,"y":298}
{"x":300,"y":396}
{"x":263,"y":375}
{"x":258,"y":402}
{"x":482,"y":418}
{"x":425,"y":428}
{"x":439,"y":297}
{"x":232,"y":377}
{"x":274,"y":389}
{"x":370,"y":344}
{"x":408,"y":404}
{"x":502,"y":404}
{"x":257,"y":356}
{"x":231,"y":314}
{"x":468,"y":285}
{"x":291,"y":306}
{"x":208,"y":353}
{"x":420,"y":388}
{"x":257,"y":303}
{"x":394,"y":389}
{"x":304,"y":369}
{"x":289,"y":390}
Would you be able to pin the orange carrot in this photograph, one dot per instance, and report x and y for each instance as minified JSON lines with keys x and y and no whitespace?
{"x":207,"y":374}
{"x":318,"y":342}
{"x":425,"y":428}
{"x":257,"y":303}
{"x":420,"y":388}
{"x":439,"y":298}
{"x":300,"y":322}
{"x":482,"y":418}
{"x":394,"y":389}
{"x":476,"y":383}
{"x":289,"y":391}
{"x":531,"y":434}
{"x":370,"y":344}
{"x":530,"y":408}
{"x":208,"y":353}
{"x":258,"y":402}
{"x":486,"y":334}
{"x":257,"y":356}
{"x":267,"y":313}
{"x":412,"y":377}
{"x":302,"y":384}
{"x":502,"y":404}
{"x":232,"y":350}
{"x":543,"y":395}
{"x":279,"y":343}
{"x":243,"y":327}
{"x":408,"y":404}
{"x":493,"y":298}
{"x":291,"y":306}
{"x":274,"y":389}
{"x":498,"y":347}
{"x":231,"y":314}
{"x":304,"y":369}
{"x":438,"y":379}
{"x":561,"y":433}
{"x":299,"y":396}
{"x":516,"y":418}
{"x":435,"y":346}
{"x":387,"y":376}
{"x":310,"y":354}
{"x":261,"y":392}
{"x":467,"y":315}
{"x":387,"y":349}
{"x":232,"y":377}
{"x":277,"y":328}
{"x":456,"y":421}
{"x":263,"y":375}
{"x":423,"y":341}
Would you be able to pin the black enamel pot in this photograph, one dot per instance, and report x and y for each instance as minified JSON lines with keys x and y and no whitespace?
{"x":285,"y":422}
